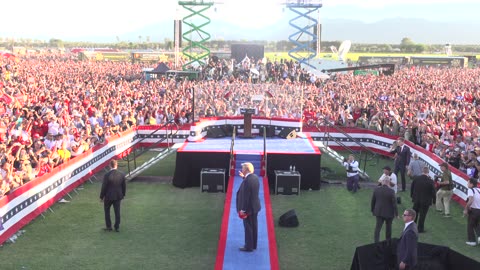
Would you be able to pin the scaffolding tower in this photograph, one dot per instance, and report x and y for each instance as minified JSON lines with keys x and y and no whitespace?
{"x":305,"y":48}
{"x":195,"y":36}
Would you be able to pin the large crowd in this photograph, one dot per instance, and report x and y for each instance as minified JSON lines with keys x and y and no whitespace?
{"x":55,"y":107}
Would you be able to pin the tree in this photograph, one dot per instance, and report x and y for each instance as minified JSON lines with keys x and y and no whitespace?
{"x":406,"y":44}
{"x":55,"y":42}
{"x":168,"y":44}
{"x":420,"y":48}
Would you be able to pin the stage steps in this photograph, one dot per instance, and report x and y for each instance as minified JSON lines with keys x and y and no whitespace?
{"x":232,"y":233}
{"x":255,"y":159}
{"x":334,"y":154}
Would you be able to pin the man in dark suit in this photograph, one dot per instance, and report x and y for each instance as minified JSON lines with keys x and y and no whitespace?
{"x":248,"y":205}
{"x":407,"y":244}
{"x":113,"y":191}
{"x":423,"y":195}
{"x":402,"y":160}
{"x":384,"y":208}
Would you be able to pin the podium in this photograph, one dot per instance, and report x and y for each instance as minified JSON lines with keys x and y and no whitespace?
{"x":247,"y":121}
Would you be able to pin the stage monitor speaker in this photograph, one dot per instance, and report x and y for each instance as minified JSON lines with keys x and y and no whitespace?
{"x":215,"y":132}
{"x":270,"y":131}
{"x":228,"y":130}
{"x":287,"y":133}
{"x":289,"y":219}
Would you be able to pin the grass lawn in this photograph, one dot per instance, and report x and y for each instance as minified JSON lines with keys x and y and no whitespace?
{"x":164,"y":227}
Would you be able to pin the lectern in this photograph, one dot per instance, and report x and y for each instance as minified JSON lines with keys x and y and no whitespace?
{"x":247,"y":121}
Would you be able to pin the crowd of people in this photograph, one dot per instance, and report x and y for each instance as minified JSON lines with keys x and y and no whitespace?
{"x":55,"y":107}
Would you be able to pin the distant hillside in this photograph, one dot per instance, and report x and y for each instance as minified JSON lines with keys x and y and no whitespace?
{"x":389,"y":31}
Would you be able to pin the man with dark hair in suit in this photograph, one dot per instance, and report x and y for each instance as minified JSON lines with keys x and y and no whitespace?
{"x":423,"y":195}
{"x":248,"y":205}
{"x":402,"y":159}
{"x":113,"y":191}
{"x":408,"y":242}
{"x":384,"y":208}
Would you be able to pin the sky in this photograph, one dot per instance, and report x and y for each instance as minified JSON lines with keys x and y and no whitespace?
{"x":105,"y":18}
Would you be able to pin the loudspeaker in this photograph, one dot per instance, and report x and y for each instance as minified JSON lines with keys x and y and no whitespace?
{"x":215,"y":132}
{"x":289,"y":219}
{"x":287,"y":133}
{"x":228,"y":130}
{"x":270,"y":131}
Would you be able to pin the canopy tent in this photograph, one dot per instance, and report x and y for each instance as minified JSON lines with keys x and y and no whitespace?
{"x":162,"y":68}
{"x":156,"y":73}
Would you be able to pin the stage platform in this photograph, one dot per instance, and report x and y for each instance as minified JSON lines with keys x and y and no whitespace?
{"x":192,"y":157}
{"x":253,"y":145}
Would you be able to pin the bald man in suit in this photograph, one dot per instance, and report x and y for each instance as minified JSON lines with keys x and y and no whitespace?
{"x":248,"y":205}
{"x":384,"y":208}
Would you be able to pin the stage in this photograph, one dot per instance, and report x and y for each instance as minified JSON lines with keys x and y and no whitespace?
{"x":281,"y":153}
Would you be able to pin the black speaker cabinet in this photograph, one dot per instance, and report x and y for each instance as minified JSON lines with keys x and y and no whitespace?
{"x":215,"y":132}
{"x":270,"y":131}
{"x":212,"y":180}
{"x":289,"y":219}
{"x":227,"y":130}
{"x":287,"y":133}
{"x":287,"y":182}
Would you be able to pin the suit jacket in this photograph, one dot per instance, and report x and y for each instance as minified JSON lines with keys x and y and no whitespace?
{"x":384,"y":203}
{"x":403,"y":156}
{"x":423,"y":190}
{"x":407,"y":246}
{"x":113,"y":186}
{"x":247,"y":195}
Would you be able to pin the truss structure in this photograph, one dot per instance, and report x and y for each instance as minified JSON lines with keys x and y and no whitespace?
{"x":304,"y":23}
{"x":195,"y":36}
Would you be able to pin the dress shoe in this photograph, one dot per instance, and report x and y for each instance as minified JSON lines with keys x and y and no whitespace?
{"x":422,"y":231}
{"x":246,"y":249}
{"x":107,"y":229}
{"x":117,"y":230}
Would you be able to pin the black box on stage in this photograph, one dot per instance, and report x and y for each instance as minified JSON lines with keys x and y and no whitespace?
{"x":287,"y":182}
{"x":212,"y":180}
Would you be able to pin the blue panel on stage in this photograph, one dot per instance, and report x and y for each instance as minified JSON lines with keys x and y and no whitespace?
{"x":274,"y":145}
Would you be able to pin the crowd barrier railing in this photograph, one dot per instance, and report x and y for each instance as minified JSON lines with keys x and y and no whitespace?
{"x":381,"y":143}
{"x":27,"y":202}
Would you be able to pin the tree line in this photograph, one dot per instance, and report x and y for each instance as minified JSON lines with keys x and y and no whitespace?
{"x":406,"y":45}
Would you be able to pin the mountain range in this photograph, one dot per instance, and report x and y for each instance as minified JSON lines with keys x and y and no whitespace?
{"x":388,"y":31}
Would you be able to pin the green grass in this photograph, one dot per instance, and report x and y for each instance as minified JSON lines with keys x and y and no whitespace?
{"x":372,"y":167}
{"x":333,"y":222}
{"x":164,"y":227}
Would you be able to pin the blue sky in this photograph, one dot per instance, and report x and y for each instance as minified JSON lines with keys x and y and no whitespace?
{"x":67,"y":20}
